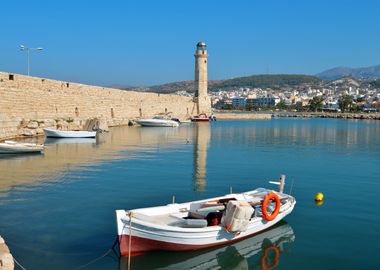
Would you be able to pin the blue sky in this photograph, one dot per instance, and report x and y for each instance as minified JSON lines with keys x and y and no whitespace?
{"x":153,"y":42}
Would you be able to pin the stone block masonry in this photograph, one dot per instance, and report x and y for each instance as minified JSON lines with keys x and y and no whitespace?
{"x":28,"y":104}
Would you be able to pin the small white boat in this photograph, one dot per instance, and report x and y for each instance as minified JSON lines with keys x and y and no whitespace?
{"x":54,"y":133}
{"x":158,"y":121}
{"x":201,"y":224}
{"x":12,"y":147}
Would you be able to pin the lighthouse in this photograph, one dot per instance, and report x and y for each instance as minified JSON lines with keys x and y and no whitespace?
{"x":201,"y":97}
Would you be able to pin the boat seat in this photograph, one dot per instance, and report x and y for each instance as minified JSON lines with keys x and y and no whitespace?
{"x":195,"y":215}
{"x":194,"y":223}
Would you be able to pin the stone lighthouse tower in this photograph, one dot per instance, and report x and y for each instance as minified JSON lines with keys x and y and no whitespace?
{"x":201,"y":97}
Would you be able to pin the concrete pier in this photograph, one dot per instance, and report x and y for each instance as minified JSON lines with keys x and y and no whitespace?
{"x":357,"y":116}
{"x":243,"y":116}
{"x":6,"y":259}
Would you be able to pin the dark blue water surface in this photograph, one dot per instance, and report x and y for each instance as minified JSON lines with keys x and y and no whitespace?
{"x":57,"y":209}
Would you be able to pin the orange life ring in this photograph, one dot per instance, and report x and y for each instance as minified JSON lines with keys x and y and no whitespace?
{"x":267,"y":198}
{"x":264,"y":258}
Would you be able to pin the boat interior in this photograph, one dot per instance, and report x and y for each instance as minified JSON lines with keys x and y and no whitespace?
{"x":206,"y":213}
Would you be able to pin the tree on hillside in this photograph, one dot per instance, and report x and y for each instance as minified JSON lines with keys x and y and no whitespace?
{"x":298,"y":107}
{"x":360,"y":99}
{"x":316,"y":104}
{"x":248,"y":107}
{"x":345,"y":102}
{"x":281,"y":105}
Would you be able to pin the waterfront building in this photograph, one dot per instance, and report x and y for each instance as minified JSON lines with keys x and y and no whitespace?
{"x":331,"y":107}
{"x":266,"y":101}
{"x":250,"y":102}
{"x":239,"y":102}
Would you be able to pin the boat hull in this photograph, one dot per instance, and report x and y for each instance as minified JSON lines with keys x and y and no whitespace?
{"x":200,"y":120}
{"x":53,"y":133}
{"x":10,"y":147}
{"x":7,"y":150}
{"x":141,"y":245}
{"x":145,"y":238}
{"x":157,"y":123}
{"x":210,"y":259}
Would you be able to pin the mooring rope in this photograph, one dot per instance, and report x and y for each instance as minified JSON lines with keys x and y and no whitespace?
{"x":130,"y":214}
{"x":79,"y":267}
{"x":19,"y":264}
{"x":98,"y":258}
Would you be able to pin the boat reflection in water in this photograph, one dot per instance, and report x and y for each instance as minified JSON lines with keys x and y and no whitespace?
{"x":69,"y":140}
{"x":262,"y":251}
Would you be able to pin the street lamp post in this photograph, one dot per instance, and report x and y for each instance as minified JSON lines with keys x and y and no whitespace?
{"x":27,"y":49}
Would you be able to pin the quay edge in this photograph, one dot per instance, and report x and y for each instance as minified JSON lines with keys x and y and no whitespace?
{"x":243,"y":116}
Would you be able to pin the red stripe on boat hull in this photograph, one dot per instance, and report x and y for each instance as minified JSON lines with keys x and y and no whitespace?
{"x":140,"y":245}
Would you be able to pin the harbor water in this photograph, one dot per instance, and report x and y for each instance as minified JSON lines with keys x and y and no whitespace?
{"x":57,"y":209}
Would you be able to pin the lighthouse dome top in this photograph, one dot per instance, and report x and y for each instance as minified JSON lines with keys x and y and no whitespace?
{"x":201,"y":46}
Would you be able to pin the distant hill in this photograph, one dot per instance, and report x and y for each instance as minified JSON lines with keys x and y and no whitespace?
{"x":372,"y":72}
{"x":187,"y":86}
{"x":265,"y":81}
{"x":255,"y":81}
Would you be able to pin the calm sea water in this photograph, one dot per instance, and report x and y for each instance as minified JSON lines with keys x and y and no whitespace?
{"x":57,"y":209}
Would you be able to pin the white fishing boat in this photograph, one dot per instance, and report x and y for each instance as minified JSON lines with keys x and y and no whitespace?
{"x":201,"y":224}
{"x":158,"y":121}
{"x":12,"y":147}
{"x":54,"y":133}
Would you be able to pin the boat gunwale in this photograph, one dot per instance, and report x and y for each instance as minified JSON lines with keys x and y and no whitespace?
{"x":168,"y":228}
{"x":69,"y":131}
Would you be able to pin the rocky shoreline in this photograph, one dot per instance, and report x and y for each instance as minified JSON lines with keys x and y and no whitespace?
{"x":6,"y":258}
{"x":21,"y":128}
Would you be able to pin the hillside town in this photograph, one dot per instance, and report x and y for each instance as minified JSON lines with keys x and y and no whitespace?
{"x":341,"y":95}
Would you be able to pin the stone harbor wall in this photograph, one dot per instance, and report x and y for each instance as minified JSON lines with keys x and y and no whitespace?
{"x":28,"y":104}
{"x":6,"y":259}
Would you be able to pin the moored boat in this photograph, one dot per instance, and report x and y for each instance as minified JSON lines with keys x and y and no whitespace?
{"x":12,"y":147}
{"x":201,"y":224}
{"x":158,"y":121}
{"x":200,"y":118}
{"x":54,"y":133}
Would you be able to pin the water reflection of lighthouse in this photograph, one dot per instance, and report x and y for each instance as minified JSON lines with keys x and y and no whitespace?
{"x":201,"y":141}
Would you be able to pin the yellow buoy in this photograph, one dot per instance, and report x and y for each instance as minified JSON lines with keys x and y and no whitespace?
{"x":318,"y":197}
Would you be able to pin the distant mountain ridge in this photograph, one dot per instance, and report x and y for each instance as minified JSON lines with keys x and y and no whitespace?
{"x":274,"y":81}
{"x":372,"y":72}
